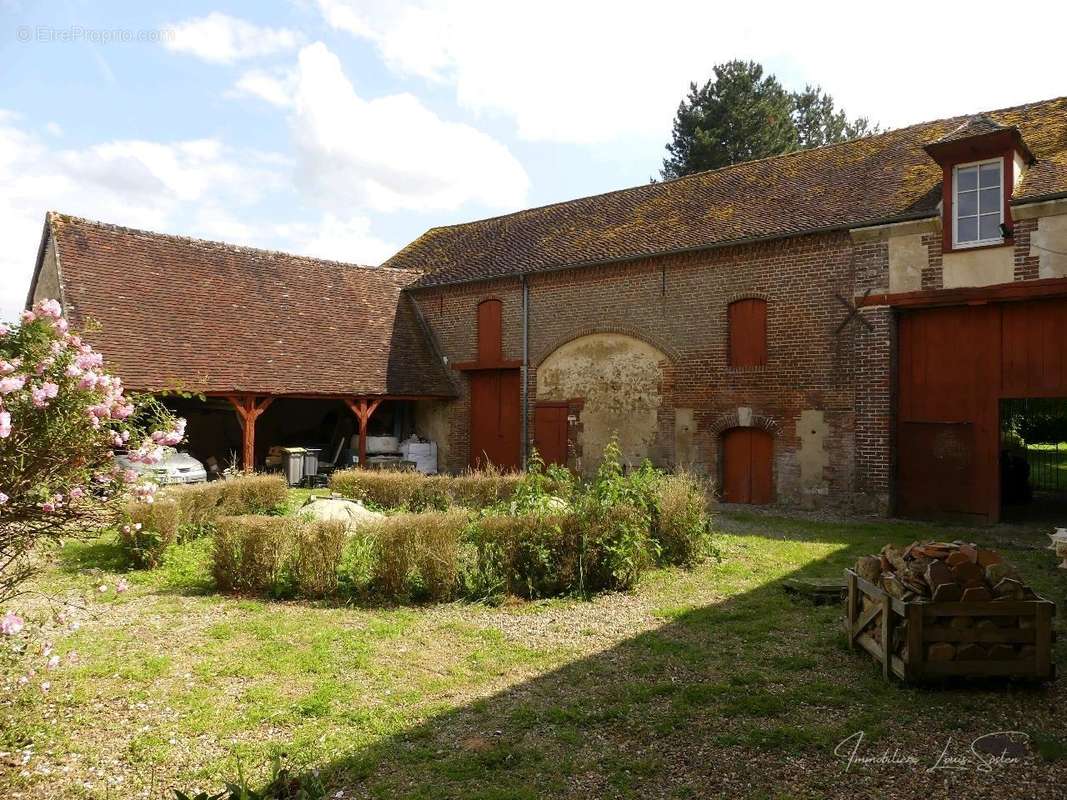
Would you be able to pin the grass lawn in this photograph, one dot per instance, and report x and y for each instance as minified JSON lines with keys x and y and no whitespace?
{"x":702,"y":683}
{"x":1048,"y":466}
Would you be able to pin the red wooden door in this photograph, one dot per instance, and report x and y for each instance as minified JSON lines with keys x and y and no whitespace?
{"x":495,"y":418}
{"x":748,"y":466}
{"x":550,"y":432}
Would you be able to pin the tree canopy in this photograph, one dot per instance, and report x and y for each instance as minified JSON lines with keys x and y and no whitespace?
{"x":744,"y":114}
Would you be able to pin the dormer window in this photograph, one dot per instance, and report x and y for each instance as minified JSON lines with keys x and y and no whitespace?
{"x":978,"y":203}
{"x":982,"y":162}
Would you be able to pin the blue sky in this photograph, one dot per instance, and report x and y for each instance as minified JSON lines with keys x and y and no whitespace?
{"x":344,"y":129}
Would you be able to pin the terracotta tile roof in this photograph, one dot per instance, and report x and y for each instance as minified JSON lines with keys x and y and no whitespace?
{"x":174,"y":312}
{"x":978,"y":125}
{"x":866,"y":181}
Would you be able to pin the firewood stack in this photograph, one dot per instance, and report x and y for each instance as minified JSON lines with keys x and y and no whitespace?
{"x":951,"y":572}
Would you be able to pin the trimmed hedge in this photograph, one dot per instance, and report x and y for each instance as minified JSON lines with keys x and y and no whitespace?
{"x":191,"y":510}
{"x":539,"y":534}
{"x":318,"y":546}
{"x":527,"y":555}
{"x":149,"y":530}
{"x":412,"y":491}
{"x":202,"y":503}
{"x":418,"y":555}
{"x":250,"y":552}
{"x":277,"y":555}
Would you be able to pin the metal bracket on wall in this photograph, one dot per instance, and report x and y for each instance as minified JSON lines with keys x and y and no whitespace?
{"x":853,"y":311}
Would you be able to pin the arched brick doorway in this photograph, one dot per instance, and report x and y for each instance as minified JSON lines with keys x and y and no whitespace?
{"x":748,"y":466}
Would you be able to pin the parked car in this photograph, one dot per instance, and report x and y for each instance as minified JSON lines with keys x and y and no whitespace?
{"x":177,"y":466}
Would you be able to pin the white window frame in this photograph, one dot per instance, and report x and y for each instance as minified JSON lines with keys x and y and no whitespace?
{"x":956,"y":243}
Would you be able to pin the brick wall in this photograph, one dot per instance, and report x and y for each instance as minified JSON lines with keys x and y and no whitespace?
{"x":678,"y":304}
{"x":1026,"y":265}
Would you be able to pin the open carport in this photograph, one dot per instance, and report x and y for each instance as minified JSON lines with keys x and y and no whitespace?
{"x":257,"y":348}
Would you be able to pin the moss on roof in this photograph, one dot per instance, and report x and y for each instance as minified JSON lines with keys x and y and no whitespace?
{"x":866,"y":181}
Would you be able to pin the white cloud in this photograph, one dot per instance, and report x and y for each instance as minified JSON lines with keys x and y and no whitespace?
{"x":275,"y":89}
{"x":385,"y":154}
{"x":197,"y":187}
{"x":223,"y":39}
{"x":338,"y":238}
{"x":602,"y":70}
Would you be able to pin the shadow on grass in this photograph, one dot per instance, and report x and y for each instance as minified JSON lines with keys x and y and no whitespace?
{"x":744,"y":698}
{"x":103,"y":553}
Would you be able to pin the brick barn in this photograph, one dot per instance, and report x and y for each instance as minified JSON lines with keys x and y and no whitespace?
{"x":837,"y":327}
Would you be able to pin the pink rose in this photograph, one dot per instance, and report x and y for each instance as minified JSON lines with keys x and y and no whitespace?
{"x":11,"y":624}
{"x":12,"y":383}
{"x":48,"y":308}
{"x":5,"y":424}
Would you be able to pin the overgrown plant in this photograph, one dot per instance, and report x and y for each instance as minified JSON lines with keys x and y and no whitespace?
{"x":682,"y":520}
{"x":614,"y":517}
{"x":61,"y":418}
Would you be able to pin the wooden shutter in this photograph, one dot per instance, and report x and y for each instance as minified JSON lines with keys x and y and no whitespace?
{"x":748,"y":332}
{"x":489,"y":332}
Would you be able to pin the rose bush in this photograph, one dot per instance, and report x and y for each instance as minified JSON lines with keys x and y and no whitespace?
{"x":61,"y":418}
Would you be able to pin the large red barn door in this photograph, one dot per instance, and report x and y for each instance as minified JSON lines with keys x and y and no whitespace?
{"x":495,"y":418}
{"x":948,"y":417}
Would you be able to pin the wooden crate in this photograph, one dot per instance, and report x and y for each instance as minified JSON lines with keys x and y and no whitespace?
{"x":1020,"y":624}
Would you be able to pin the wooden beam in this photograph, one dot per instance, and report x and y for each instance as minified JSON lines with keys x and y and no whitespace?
{"x":999,"y":293}
{"x":363,"y":408}
{"x":340,"y":397}
{"x":248,"y":410}
{"x":470,"y":366}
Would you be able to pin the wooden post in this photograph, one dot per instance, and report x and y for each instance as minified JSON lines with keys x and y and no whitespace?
{"x":853,"y":609}
{"x":363,"y":409}
{"x":915,"y":644}
{"x":248,"y":411}
{"x":887,"y":636}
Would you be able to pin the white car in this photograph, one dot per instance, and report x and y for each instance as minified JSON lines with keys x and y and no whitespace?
{"x":177,"y":466}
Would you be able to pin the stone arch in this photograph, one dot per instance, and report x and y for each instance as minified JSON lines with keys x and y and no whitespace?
{"x":744,"y":417}
{"x":655,"y":340}
{"x":619,"y":380}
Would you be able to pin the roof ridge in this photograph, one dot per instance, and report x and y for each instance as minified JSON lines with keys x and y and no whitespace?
{"x":726,"y":167}
{"x":59,"y":215}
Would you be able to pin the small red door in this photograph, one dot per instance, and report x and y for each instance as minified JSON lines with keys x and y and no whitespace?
{"x":495,"y":418}
{"x":550,"y":432}
{"x":747,"y":468}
